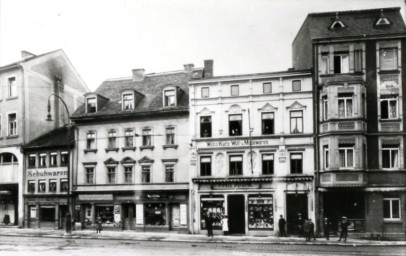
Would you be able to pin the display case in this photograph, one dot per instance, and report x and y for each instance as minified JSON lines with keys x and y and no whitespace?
{"x":215,"y":206}
{"x":260,"y":212}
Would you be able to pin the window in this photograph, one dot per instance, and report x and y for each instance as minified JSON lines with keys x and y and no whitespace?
{"x":169,"y":170}
{"x":52,"y":185}
{"x":345,"y":105}
{"x":326,"y":156}
{"x":91,"y":105}
{"x":346,"y":155}
{"x":170,"y":135}
{"x":89,"y":175}
{"x":128,"y":101}
{"x":205,"y":126}
{"x":235,"y":90}
{"x":146,"y":137}
{"x":325,"y":63}
{"x":112,"y":139}
{"x":52,"y":159}
{"x":129,"y":138}
{"x":8,"y":158}
{"x":267,"y":123}
{"x":341,"y":63}
{"x":31,"y":186}
{"x":296,"y":163}
{"x":64,"y":158}
{"x":235,"y":165}
{"x":64,"y":185}
{"x":111,"y":174}
{"x":390,"y":156}
{"x":324,"y":109}
{"x":296,"y":121}
{"x":12,"y":124}
{"x":42,"y":160}
{"x":388,"y":58}
{"x":12,"y":87}
{"x":267,"y":164}
{"x":296,"y":85}
{"x":169,"y":98}
{"x":128,"y":174}
{"x":358,"y":60}
{"x":205,"y":92}
{"x":146,"y":173}
{"x":205,"y":166}
{"x":391,"y":209}
{"x":32,"y":161}
{"x":235,"y":125}
{"x":41,"y":186}
{"x":389,"y":107}
{"x":267,"y":87}
{"x":90,"y":140}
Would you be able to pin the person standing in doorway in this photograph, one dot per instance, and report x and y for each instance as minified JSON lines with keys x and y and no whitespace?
{"x":98,"y":225}
{"x":306,"y":230}
{"x":311,"y":230}
{"x":224,"y":224}
{"x":282,"y":224}
{"x":326,"y":225}
{"x":299,"y":225}
{"x":344,"y":228}
{"x":209,"y":225}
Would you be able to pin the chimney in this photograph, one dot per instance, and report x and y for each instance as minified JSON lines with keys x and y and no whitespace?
{"x":208,"y":68}
{"x":138,"y":74}
{"x":25,"y":54}
{"x":189,"y":67}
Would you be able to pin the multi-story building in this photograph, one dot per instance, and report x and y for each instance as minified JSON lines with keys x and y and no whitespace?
{"x":133,"y":152}
{"x":252,"y":151}
{"x":24,"y":90}
{"x":359,"y":81}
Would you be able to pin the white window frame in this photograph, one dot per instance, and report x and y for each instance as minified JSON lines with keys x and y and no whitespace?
{"x":87,"y":104}
{"x":168,"y":134}
{"x":42,"y":181}
{"x":391,"y":207}
{"x":11,"y":89}
{"x":209,"y":160}
{"x":8,"y":124}
{"x":112,"y":135}
{"x":131,"y":103}
{"x":264,"y":86}
{"x":146,"y":134}
{"x":28,"y":186}
{"x":67,"y":162}
{"x":389,"y":100}
{"x":324,"y":106}
{"x":53,"y":155}
{"x":346,"y":100}
{"x":108,"y":172}
{"x":149,"y":166}
{"x":42,"y":161}
{"x":346,"y":149}
{"x":125,"y":173}
{"x":93,"y":174}
{"x":205,"y":92}
{"x":391,"y":149}
{"x":299,"y":86}
{"x":129,"y":133}
{"x":326,"y":156}
{"x":381,"y":52}
{"x":300,"y":129}
{"x":91,"y":135}
{"x":170,"y":165}
{"x":165,"y":102}
{"x":344,"y":62}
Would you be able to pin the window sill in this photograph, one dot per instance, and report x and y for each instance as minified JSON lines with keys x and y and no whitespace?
{"x":390,"y":120}
{"x":347,"y":73}
{"x":90,"y":151}
{"x":394,"y":221}
{"x":42,"y":166}
{"x":111,"y":149}
{"x":12,"y":136}
{"x":12,"y":98}
{"x":170,"y":146}
{"x":147,"y":147}
{"x":128,"y":148}
{"x":31,"y":167}
{"x":54,"y":165}
{"x":388,"y":71}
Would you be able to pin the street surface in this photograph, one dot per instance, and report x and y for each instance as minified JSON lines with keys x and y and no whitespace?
{"x":42,"y":246}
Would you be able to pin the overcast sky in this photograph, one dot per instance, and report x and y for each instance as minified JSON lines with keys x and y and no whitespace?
{"x":108,"y":38}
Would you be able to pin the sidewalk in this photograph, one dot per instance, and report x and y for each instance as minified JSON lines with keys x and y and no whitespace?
{"x":173,"y":237}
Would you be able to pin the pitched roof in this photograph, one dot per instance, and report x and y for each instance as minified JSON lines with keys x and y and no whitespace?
{"x":27,"y":59}
{"x":358,"y":23}
{"x":54,"y":138}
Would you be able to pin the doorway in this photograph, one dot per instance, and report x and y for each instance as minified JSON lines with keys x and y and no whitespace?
{"x":236,"y":214}
{"x":296,"y":207}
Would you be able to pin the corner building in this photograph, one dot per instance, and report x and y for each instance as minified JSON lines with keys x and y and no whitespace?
{"x":359,"y":83}
{"x":252,"y":151}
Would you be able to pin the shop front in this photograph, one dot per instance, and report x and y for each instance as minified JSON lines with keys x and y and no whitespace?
{"x":45,"y":212}
{"x":9,"y":204}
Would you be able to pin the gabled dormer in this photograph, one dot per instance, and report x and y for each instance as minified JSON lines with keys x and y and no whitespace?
{"x":337,"y":23}
{"x":171,"y":95}
{"x":94,"y":102}
{"x":382,"y":20}
{"x":129,"y":99}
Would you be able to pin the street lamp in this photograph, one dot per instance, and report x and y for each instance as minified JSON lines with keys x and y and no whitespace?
{"x":68,"y":222}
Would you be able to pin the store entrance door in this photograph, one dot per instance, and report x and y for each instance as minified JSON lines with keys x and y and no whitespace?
{"x":296,"y":205}
{"x":236,"y":214}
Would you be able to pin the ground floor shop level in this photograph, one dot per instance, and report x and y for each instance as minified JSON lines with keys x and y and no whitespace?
{"x":9,"y":204}
{"x":45,"y":212}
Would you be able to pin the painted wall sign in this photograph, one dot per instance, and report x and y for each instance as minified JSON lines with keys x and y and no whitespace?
{"x":44,"y":173}
{"x":239,"y":185}
{"x":96,"y":197}
{"x":235,"y":143}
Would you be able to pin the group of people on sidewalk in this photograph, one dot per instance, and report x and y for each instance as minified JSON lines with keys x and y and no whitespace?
{"x":209,"y":224}
{"x":306,"y":228}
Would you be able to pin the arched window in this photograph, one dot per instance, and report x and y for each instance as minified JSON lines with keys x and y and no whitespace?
{"x":8,"y":158}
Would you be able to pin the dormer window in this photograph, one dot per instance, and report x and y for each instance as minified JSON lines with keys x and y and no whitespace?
{"x":91,"y":106}
{"x":337,"y":23}
{"x":382,"y":20}
{"x":128,"y":101}
{"x":169,"y":97}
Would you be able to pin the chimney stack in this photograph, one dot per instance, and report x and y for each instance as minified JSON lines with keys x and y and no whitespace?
{"x":138,"y":74}
{"x":189,"y":67}
{"x":208,"y":68}
{"x":25,"y":54}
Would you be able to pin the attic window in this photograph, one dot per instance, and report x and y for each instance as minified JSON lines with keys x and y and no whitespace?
{"x":91,"y":105}
{"x":128,"y":101}
{"x":169,"y":97}
{"x":382,"y":20}
{"x":337,"y":23}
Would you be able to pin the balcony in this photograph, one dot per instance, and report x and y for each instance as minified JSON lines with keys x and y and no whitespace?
{"x":390,"y":125}
{"x":344,"y":125}
{"x":328,"y":79}
{"x":343,"y":179}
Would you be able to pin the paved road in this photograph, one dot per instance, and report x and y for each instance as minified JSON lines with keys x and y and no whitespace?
{"x":33,"y":246}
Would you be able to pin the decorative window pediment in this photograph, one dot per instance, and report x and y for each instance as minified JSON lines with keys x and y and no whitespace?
{"x":205,"y":112}
{"x":267,"y":108}
{"x":295,"y":106}
{"x":145,"y":160}
{"x":110,"y":161}
{"x":234,"y":109}
{"x":337,"y":23}
{"x":128,"y":160}
{"x":382,"y":20}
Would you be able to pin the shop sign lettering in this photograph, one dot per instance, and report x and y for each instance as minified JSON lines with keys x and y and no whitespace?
{"x":96,"y":197}
{"x":236,"y":143}
{"x":235,"y":185}
{"x":44,"y":173}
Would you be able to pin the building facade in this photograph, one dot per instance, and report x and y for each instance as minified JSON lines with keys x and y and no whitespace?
{"x":24,"y":89}
{"x":252,"y":155}
{"x":359,"y":80}
{"x":133,"y":152}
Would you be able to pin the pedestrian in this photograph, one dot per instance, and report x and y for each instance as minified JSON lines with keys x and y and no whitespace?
{"x":311,"y":230}
{"x":209,"y":225}
{"x":98,"y":225}
{"x":306,"y":230}
{"x":282,"y":224}
{"x":326,"y":225}
{"x":299,"y":225}
{"x":344,"y":228}
{"x":224,"y":224}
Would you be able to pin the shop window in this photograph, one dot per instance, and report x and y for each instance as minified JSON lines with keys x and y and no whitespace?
{"x":89,"y":175}
{"x":388,"y":58}
{"x":296,"y":121}
{"x":8,"y":158}
{"x":105,"y":213}
{"x":169,"y":173}
{"x":91,"y":106}
{"x":12,"y":87}
{"x":235,"y":125}
{"x":391,"y":209}
{"x":129,"y":138}
{"x":112,"y":139}
{"x":268,"y":123}
{"x":235,"y":90}
{"x":267,"y":164}
{"x":341,"y":63}
{"x":91,"y":140}
{"x":53,"y":159}
{"x":235,"y":165}
{"x":205,"y":126}
{"x":345,"y":105}
{"x":326,"y":156}
{"x":205,"y":92}
{"x":390,"y":156}
{"x":128,"y":101}
{"x":324,"y":108}
{"x":346,"y":155}
{"x":296,"y":85}
{"x":12,"y":124}
{"x":296,"y":163}
{"x":205,"y":166}
{"x":111,"y":175}
{"x":267,"y":87}
{"x":31,"y":186}
{"x":52,"y":185}
{"x":32,"y":161}
{"x":146,"y":174}
{"x":155,"y":214}
{"x":146,"y":137}
{"x":33,"y":212}
{"x":325,"y":63}
{"x":215,"y":207}
{"x":169,"y":98}
{"x":128,"y":174}
{"x":41,"y":186}
{"x":64,"y":158}
{"x":260,"y":212}
{"x":389,"y":107}
{"x":42,"y":160}
{"x":170,"y":135}
{"x":358,"y":60}
{"x":64,"y":185}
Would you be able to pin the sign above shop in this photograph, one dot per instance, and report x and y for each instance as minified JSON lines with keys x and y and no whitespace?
{"x":96,"y":197}
{"x":44,"y":173}
{"x":235,"y":186}
{"x":234,"y":143}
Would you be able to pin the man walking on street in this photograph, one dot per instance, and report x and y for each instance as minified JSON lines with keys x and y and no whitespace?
{"x":344,"y":229}
{"x":282,"y":224}
{"x":326,"y":225}
{"x":311,"y":230}
{"x":209,"y":225}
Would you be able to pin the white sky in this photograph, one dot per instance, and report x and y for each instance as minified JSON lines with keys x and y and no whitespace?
{"x":108,"y":38}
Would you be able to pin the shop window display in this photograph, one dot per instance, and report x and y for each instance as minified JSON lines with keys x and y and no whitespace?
{"x":105,"y":213}
{"x":155,"y":214}
{"x":260,"y":212}
{"x":212,"y":205}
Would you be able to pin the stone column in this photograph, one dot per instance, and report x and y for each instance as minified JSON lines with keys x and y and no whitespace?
{"x":57,"y":226}
{"x":38,"y":213}
{"x":26,"y":216}
{"x":93,"y":214}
